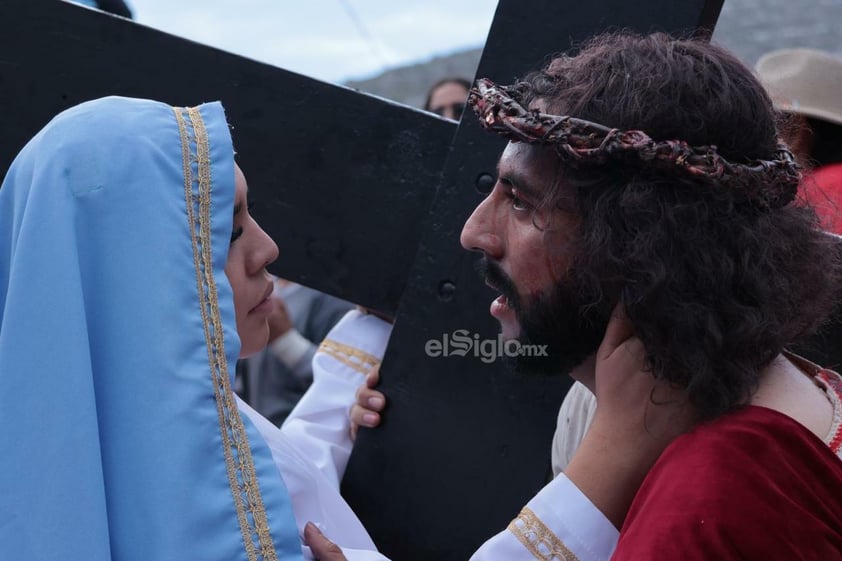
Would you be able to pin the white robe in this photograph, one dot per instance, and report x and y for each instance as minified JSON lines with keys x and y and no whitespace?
{"x":313,"y":446}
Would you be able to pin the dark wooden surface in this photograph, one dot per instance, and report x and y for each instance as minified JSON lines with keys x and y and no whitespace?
{"x":342,"y":181}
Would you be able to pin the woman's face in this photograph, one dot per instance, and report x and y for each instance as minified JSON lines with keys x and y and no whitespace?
{"x":448,"y":100}
{"x":250,"y":252}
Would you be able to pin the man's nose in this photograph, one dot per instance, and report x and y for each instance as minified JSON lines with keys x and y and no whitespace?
{"x":479,"y":232}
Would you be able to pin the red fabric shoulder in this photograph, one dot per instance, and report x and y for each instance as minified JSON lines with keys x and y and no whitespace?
{"x":822,"y":188}
{"x":753,"y":484}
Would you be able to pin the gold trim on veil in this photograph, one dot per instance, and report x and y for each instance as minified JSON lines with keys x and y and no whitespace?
{"x":251,"y":512}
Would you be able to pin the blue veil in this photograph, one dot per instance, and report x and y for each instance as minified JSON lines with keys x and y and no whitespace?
{"x":120,"y":435}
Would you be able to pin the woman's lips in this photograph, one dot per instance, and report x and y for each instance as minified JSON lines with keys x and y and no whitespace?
{"x":265,"y":305}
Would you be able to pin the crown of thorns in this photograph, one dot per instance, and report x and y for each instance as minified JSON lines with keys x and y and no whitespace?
{"x":766,"y":183}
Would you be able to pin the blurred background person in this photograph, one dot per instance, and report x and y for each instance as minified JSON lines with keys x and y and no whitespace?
{"x":273,"y":380}
{"x":806,"y":84}
{"x":447,"y":97}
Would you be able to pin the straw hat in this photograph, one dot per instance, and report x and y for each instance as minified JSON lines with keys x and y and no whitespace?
{"x":803,"y":81}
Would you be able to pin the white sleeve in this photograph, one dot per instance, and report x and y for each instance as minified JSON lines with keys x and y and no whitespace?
{"x":319,"y":425}
{"x":559,"y":523}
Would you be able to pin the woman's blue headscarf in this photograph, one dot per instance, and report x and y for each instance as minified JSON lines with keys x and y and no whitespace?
{"x":120,"y":436}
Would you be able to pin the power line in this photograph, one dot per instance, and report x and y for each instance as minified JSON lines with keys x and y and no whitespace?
{"x":372,"y":43}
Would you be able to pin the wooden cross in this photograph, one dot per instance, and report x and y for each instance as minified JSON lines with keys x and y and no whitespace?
{"x":365,"y":199}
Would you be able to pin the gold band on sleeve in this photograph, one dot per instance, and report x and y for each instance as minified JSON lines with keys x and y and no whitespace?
{"x":542,"y":543}
{"x":352,"y":357}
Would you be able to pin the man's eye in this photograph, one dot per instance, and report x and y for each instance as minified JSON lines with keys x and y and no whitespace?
{"x":236,"y":234}
{"x":518,"y":203}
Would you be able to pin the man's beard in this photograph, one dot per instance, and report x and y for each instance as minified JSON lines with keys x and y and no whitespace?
{"x":564,"y":319}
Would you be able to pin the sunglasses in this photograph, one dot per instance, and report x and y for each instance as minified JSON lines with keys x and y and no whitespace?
{"x":455,"y":109}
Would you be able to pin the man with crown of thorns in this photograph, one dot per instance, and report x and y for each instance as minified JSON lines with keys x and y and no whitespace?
{"x":645,"y":225}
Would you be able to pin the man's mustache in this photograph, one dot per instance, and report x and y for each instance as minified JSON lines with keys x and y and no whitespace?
{"x":494,"y":275}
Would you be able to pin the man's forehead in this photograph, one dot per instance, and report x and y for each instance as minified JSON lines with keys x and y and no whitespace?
{"x":531,"y":167}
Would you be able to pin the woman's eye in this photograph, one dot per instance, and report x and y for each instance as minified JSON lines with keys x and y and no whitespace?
{"x":519,"y":204}
{"x":236,"y":234}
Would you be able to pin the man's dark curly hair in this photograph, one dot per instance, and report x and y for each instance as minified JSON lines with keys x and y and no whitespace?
{"x":715,"y":286}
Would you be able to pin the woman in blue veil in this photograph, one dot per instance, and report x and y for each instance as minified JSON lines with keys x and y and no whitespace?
{"x":131,"y":275}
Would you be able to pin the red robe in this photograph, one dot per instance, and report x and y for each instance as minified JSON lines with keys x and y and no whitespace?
{"x":752,"y":485}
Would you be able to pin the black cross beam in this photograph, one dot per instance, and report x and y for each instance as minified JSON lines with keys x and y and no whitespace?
{"x":341,"y":180}
{"x":366,"y":199}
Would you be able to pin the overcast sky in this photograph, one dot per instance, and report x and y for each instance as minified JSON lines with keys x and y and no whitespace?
{"x":331,"y":40}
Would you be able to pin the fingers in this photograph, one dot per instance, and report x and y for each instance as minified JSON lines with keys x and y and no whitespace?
{"x":369,"y":403}
{"x":369,"y":400}
{"x":620,"y":330}
{"x":622,"y":379}
{"x":373,"y":377}
{"x":323,"y":549}
{"x":365,"y":415}
{"x":362,"y":417}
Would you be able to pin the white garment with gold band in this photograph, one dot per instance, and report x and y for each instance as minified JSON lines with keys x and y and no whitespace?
{"x":313,"y":446}
{"x":558,"y":524}
{"x":319,"y":425}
